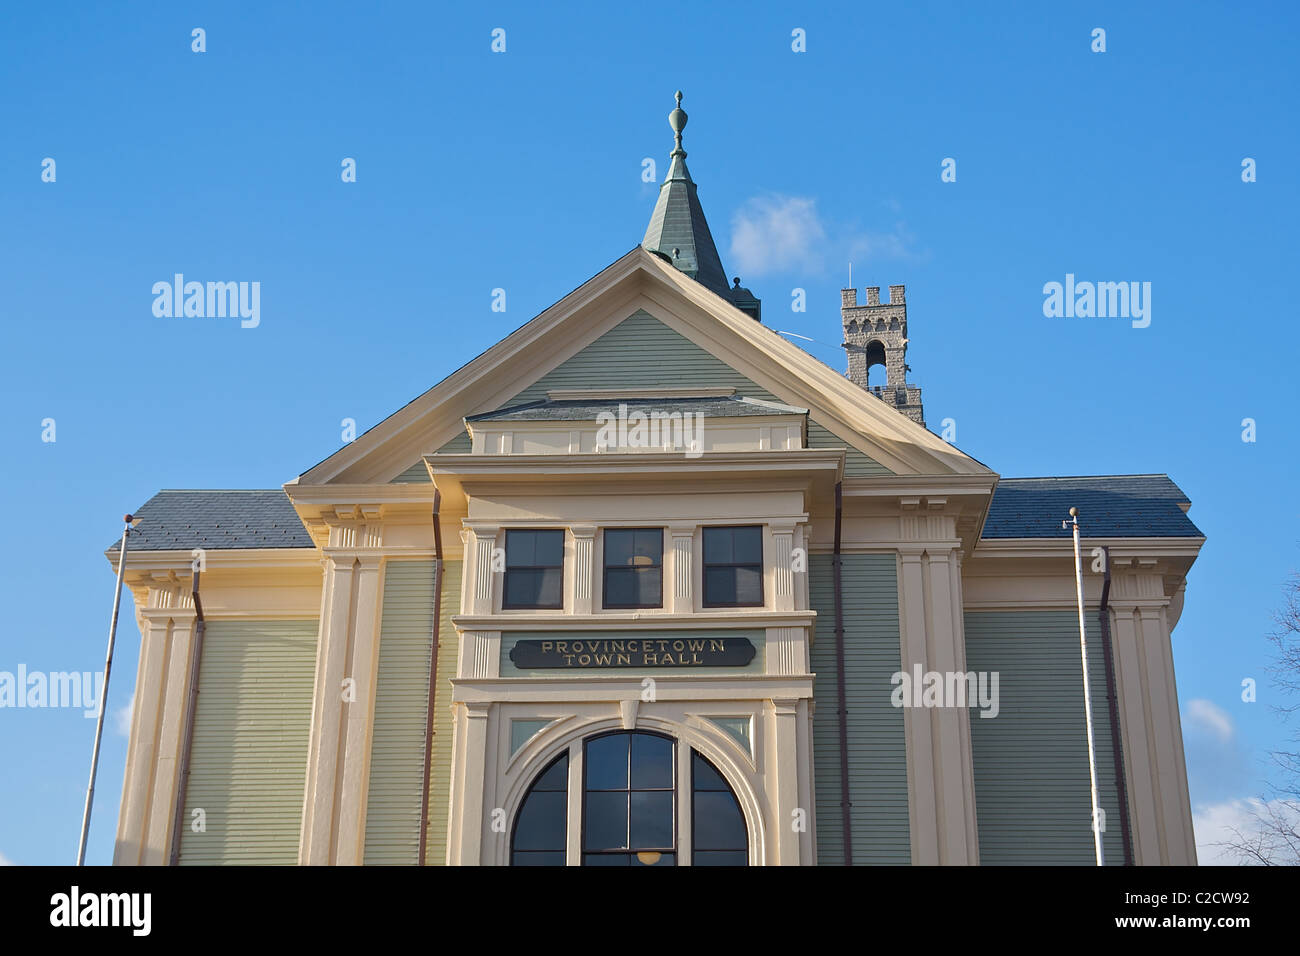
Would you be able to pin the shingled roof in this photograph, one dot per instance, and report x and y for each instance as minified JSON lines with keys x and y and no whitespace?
{"x":1110,"y":506}
{"x":183,"y":520}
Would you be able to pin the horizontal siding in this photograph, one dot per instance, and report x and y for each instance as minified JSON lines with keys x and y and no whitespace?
{"x":417,"y":473}
{"x":642,"y":352}
{"x":249,"y":755}
{"x":877,"y":748}
{"x":440,"y":772}
{"x":401,"y":709}
{"x":1032,"y":794}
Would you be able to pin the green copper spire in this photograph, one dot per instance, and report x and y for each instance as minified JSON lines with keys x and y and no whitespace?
{"x":677,"y":227}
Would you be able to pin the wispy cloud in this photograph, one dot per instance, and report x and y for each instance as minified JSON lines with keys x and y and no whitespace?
{"x":5,"y":861}
{"x":780,"y":234}
{"x":1206,"y":717}
{"x":1250,"y":820}
{"x":122,"y":717}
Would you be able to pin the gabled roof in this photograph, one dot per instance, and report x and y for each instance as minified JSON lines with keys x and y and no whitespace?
{"x":1110,"y":506}
{"x":641,"y":280}
{"x":566,"y":410}
{"x":216,"y":520}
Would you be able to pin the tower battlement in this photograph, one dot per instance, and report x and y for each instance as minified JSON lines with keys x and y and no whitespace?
{"x":875,"y":334}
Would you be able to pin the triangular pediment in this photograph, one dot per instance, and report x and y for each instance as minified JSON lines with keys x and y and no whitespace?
{"x":637,"y":324}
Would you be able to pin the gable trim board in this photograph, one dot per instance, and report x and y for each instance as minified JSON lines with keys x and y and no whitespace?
{"x":640,"y":281}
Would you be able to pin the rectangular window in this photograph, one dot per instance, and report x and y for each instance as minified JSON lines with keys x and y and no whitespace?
{"x":534,"y":569}
{"x":733,"y":566}
{"x":634,"y":567}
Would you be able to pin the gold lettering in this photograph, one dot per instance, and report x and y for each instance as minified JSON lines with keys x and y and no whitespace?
{"x":695,"y":645}
{"x":624,"y":659}
{"x":651,"y":658}
{"x":617,"y":645}
{"x":584,"y":660}
{"x":602,"y":660}
{"x":546,"y":647}
{"x":679,"y":645}
{"x":562,"y":646}
{"x":716,"y":645}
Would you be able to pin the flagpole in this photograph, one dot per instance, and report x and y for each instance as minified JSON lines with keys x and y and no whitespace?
{"x":1087,"y":692}
{"x":103,"y":694}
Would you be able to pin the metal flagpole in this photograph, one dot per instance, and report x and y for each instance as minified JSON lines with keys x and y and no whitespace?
{"x":103,"y":695}
{"x":1087,"y":693}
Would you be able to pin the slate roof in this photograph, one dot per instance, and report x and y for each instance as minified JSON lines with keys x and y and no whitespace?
{"x":1110,"y":506}
{"x":586,"y":410}
{"x":182,"y":520}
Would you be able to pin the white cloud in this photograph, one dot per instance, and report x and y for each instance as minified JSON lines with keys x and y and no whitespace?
{"x":1209,"y":718}
{"x":781,"y":234}
{"x":776,"y":233}
{"x":122,"y":717}
{"x":1239,"y":820}
{"x":5,"y":861}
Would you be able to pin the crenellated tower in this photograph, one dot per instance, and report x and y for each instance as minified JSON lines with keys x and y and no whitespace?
{"x":875,"y":334}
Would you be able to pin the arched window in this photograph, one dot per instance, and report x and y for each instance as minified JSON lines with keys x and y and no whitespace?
{"x":542,"y":823}
{"x":718,"y":833}
{"x":629,"y":810}
{"x":875,"y":355}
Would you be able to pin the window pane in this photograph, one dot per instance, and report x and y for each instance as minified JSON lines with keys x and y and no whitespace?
{"x":717,"y":545}
{"x":719,"y":586}
{"x":549,"y":548}
{"x":549,"y":858}
{"x":652,"y":763}
{"x":607,"y":763}
{"x":541,"y":822}
{"x":606,"y":824}
{"x":649,"y":548}
{"x":557,"y":778}
{"x":652,"y":818}
{"x":523,"y":588}
{"x":718,"y":822}
{"x":749,"y":586}
{"x":620,"y":587}
{"x":706,"y":778}
{"x":721,"y":858}
{"x":618,"y":548}
{"x":519,"y":549}
{"x":747,"y":545}
{"x":607,"y":859}
{"x":650,"y":583}
{"x":549,"y":588}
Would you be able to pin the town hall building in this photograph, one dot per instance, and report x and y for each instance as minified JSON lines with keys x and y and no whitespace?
{"x":646,"y":584}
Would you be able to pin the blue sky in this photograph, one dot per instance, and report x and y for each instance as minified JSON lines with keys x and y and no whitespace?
{"x":522,"y":170}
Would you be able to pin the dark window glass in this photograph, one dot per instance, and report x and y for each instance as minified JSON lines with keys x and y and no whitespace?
{"x":719,"y":836}
{"x":630,"y":817}
{"x":733,"y":567}
{"x":534,"y":569}
{"x":541,"y":827}
{"x":634,"y":573}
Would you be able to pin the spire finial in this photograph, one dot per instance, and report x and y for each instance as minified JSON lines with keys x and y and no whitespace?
{"x":677,"y":120}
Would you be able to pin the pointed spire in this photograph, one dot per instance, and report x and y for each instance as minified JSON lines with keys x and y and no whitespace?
{"x":678,"y":229}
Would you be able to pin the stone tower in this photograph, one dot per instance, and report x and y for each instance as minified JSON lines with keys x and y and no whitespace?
{"x":876,"y":334}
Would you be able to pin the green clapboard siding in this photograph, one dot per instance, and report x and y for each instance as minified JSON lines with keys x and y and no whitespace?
{"x":248,"y":762}
{"x":876,"y":743}
{"x":401,"y":708}
{"x":642,"y":352}
{"x":460,"y":445}
{"x":1031,"y":761}
{"x":440,"y":772}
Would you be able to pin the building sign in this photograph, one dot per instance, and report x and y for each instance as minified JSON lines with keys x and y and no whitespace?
{"x":633,"y":652}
